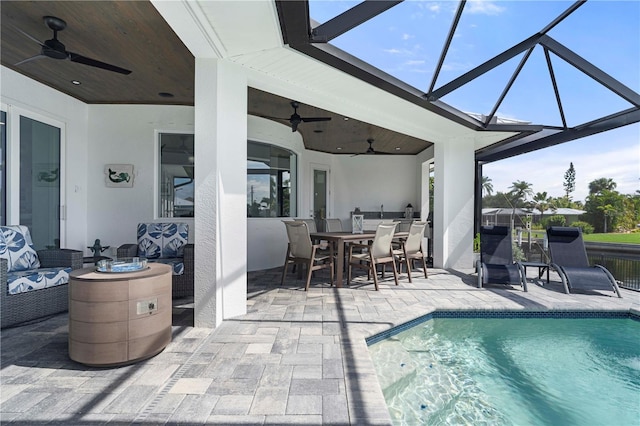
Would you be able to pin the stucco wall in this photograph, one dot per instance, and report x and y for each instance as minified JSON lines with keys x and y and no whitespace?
{"x":126,"y":134}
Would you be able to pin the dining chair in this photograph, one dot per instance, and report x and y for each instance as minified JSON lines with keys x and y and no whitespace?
{"x":333,"y":225}
{"x":300,"y":250}
{"x":411,"y":248}
{"x":379,"y":252}
{"x":311,"y":224}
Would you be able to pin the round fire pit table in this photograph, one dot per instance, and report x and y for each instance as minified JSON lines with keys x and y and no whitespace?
{"x":118,"y":318}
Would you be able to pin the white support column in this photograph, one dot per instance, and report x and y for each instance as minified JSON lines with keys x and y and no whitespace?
{"x":220,"y":194}
{"x":453,"y":204}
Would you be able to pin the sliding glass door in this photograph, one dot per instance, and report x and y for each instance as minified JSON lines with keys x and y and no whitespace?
{"x":40,"y":176}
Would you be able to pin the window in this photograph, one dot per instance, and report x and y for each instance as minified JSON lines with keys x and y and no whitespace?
{"x":176,"y":175}
{"x":271,"y":181}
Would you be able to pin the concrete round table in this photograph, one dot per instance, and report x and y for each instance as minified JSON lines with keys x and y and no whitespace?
{"x":119,"y":318}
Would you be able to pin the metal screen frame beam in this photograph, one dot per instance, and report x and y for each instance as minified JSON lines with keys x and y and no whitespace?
{"x":512,"y":148}
{"x":591,"y":70}
{"x":350,"y":19}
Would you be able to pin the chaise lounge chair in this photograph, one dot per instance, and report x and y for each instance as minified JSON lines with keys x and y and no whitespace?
{"x":569,"y":260}
{"x":496,"y":264}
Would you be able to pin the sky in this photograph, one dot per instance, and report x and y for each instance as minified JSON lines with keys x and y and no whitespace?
{"x":406,"y":42}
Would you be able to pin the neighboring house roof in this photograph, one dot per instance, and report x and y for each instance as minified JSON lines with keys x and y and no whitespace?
{"x":521,"y":212}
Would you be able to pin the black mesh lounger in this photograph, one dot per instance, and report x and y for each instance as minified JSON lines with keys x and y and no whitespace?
{"x":569,"y":260}
{"x":496,"y":264}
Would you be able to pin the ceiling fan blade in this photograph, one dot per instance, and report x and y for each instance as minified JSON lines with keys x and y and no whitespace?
{"x":33,"y":58}
{"x":274,"y":118}
{"x":29,"y":36}
{"x":312,"y":119}
{"x":74,"y":57}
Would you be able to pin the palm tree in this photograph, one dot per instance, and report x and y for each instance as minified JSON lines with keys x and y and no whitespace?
{"x":487,"y":186}
{"x":519,"y":191}
{"x":599,"y":185}
{"x":542,"y":202}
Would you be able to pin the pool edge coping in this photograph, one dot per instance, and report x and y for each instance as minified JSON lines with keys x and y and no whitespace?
{"x":631,"y":313}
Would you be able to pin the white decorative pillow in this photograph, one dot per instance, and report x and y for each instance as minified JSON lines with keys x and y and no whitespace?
{"x":17,"y":247}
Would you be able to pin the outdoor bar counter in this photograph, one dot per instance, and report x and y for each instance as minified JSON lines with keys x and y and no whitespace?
{"x":118,"y":318}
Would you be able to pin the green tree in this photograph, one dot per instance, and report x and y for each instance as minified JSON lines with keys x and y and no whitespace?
{"x":487,"y":186}
{"x":602,"y":184}
{"x":569,"y":181}
{"x":629,"y":218}
{"x":519,"y":191}
{"x":608,"y":211}
{"x":604,"y":209}
{"x":497,"y":200}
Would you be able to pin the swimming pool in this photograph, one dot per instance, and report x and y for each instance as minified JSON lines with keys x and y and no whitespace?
{"x":519,"y":370}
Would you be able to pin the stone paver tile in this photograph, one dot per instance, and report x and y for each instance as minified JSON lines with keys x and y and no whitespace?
{"x":307,"y":372}
{"x":192,"y":386}
{"x":285,"y":346}
{"x":248,"y":371}
{"x":304,"y":404}
{"x":334,"y":410}
{"x":300,"y":420}
{"x":238,"y":405}
{"x":314,"y":387}
{"x":194,"y":409}
{"x":332,"y":369}
{"x":156,"y":375}
{"x":131,"y":400}
{"x":234,"y":386}
{"x":277,"y":376}
{"x":302,"y":359}
{"x":9,"y":391}
{"x":269,"y":401}
{"x":229,"y":420}
{"x":309,"y":348}
{"x":259,"y":348}
{"x":168,"y":404}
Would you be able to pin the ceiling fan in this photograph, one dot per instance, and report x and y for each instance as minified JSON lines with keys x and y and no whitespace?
{"x":295,"y":118}
{"x":54,"y":49}
{"x":371,"y":151}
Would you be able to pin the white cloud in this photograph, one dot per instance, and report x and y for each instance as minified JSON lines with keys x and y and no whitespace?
{"x":407,"y":36}
{"x":484,"y":7}
{"x":545,"y":169}
{"x":416,"y":62}
{"x":434,"y":7}
{"x":456,"y":66}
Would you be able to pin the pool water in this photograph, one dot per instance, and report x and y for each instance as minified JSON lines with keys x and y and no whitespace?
{"x":512,"y":371}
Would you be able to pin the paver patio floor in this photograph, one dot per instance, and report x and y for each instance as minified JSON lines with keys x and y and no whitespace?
{"x":295,"y":358}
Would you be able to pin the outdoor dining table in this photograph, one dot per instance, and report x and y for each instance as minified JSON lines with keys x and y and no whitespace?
{"x":339,"y":239}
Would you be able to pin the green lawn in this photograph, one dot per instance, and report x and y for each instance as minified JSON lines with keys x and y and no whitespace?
{"x":633,"y":238}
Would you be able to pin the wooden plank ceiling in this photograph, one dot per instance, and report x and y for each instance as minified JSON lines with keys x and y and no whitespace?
{"x":134,"y":36}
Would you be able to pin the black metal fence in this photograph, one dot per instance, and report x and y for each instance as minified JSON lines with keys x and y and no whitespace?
{"x":622,"y":260}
